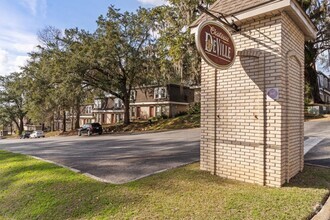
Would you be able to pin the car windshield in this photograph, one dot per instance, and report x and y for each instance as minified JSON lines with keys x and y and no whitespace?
{"x":96,"y":125}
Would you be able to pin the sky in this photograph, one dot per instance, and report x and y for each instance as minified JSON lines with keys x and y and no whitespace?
{"x":20,"y":21}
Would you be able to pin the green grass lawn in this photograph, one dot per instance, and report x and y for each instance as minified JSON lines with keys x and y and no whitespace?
{"x":32,"y":189}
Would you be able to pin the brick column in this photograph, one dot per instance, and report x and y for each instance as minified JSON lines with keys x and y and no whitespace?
{"x":257,"y":140}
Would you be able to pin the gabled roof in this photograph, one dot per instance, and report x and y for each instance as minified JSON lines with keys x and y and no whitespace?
{"x":229,"y":7}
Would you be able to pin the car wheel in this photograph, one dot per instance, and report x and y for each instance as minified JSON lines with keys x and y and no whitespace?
{"x":100,"y":133}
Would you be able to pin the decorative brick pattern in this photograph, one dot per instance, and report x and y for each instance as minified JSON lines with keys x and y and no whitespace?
{"x":256,"y":140}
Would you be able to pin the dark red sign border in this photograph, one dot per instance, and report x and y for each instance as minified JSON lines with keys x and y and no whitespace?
{"x":201,"y":50}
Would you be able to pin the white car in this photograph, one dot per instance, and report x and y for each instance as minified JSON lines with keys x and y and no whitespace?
{"x":37,"y":134}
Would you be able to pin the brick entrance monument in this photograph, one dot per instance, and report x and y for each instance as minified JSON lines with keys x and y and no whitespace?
{"x":252,"y":112}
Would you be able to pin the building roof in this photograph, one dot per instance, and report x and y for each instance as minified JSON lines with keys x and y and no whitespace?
{"x":230,"y":7}
{"x":250,"y":9}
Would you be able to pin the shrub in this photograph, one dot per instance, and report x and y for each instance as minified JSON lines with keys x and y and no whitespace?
{"x":195,"y":108}
{"x":180,"y":114}
{"x":162,"y":116}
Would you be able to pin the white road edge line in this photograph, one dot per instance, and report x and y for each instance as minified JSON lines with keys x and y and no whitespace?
{"x":310,"y":143}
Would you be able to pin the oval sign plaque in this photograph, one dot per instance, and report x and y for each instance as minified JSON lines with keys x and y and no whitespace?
{"x":215,"y":45}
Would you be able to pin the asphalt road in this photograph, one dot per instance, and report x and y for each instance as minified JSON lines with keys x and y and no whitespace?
{"x":123,"y":158}
{"x":114,"y":158}
{"x":320,"y":154}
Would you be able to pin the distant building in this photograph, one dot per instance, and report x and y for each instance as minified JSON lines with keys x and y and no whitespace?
{"x":324,"y":87}
{"x":108,"y":110}
{"x":153,"y":101}
{"x":145,"y":103}
{"x":86,"y":114}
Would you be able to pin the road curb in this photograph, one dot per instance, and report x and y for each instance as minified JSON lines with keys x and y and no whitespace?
{"x":146,"y":132}
{"x":324,"y":213}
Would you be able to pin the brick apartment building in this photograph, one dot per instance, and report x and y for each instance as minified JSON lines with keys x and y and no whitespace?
{"x":145,"y":103}
{"x":106,"y":110}
{"x":155,"y":101}
{"x":324,"y":86}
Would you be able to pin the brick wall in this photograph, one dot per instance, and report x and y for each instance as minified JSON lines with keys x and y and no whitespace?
{"x":292,"y":65}
{"x":255,"y":138}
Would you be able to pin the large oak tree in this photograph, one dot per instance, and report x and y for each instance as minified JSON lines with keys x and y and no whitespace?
{"x":115,"y":58}
{"x":319,"y":13}
{"x":13,"y":99}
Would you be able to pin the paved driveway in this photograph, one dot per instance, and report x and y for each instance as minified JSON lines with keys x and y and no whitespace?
{"x":115,"y":158}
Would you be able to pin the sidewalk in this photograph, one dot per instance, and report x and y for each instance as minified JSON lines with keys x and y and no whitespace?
{"x":324,"y":213}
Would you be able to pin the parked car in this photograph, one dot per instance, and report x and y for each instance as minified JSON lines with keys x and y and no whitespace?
{"x":26,"y":134}
{"x":90,"y":128}
{"x":37,"y":134}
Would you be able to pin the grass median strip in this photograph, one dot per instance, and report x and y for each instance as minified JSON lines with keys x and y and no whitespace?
{"x":33,"y":189}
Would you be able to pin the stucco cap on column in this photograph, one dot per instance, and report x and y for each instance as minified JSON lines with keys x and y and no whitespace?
{"x":252,"y":9}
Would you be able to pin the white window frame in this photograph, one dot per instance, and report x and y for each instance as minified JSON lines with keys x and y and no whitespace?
{"x":133,"y":95}
{"x":118,"y":103}
{"x":88,"y":109}
{"x":133,"y":111}
{"x":98,"y":103}
{"x":160,"y":93}
{"x":158,"y":110}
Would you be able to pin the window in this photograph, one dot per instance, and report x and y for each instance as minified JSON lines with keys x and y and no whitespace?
{"x":321,"y":81}
{"x":158,"y":111}
{"x":160,"y":93}
{"x":118,"y":103}
{"x":325,"y":82}
{"x":133,"y":95}
{"x":133,"y":110}
{"x":119,"y":117}
{"x":98,"y":103}
{"x":88,"y":109}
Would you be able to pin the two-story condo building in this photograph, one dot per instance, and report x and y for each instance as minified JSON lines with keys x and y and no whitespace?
{"x":108,"y":110}
{"x":153,"y":101}
{"x":324,"y":86}
{"x":145,"y":103}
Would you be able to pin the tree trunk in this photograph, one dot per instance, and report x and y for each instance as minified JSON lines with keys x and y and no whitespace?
{"x":64,"y":121}
{"x":72,"y":119}
{"x":77,"y":124}
{"x":58,"y":118}
{"x":21,"y":126}
{"x":52,"y":123}
{"x":312,"y":79}
{"x":126,"y":111}
{"x":17,"y":125}
{"x":311,"y":73}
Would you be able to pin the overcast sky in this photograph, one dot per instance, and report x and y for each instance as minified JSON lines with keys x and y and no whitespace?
{"x":20,"y":20}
